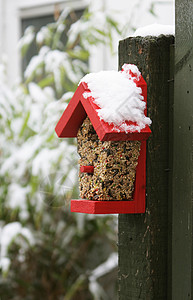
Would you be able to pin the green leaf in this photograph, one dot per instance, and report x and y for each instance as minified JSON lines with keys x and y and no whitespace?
{"x":24,"y":126}
{"x":81,"y":54}
{"x":75,"y":287}
{"x":24,"y":49}
{"x":114,"y":24}
{"x":46,"y":81}
{"x":152,"y":10}
{"x":101,"y":32}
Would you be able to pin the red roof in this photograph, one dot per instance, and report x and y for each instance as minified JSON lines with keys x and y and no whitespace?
{"x":79,"y":108}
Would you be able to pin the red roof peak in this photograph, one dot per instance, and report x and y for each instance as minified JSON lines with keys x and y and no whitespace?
{"x":79,"y":107}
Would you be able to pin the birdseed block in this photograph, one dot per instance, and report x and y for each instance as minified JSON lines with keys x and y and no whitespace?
{"x":114,"y":164}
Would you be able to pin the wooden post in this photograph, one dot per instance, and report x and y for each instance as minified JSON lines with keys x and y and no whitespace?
{"x":182,"y":252}
{"x":143,"y":239}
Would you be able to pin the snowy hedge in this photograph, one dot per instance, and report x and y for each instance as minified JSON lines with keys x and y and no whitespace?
{"x":47,"y":252}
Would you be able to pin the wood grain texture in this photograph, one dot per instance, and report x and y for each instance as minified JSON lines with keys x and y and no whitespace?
{"x":143,"y":239}
{"x":182,"y":250}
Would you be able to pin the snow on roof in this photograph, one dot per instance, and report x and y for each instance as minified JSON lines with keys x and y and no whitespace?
{"x":155,"y":30}
{"x":118,"y":97}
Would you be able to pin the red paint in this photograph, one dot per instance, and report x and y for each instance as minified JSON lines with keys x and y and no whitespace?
{"x":87,"y":169}
{"x":79,"y":108}
{"x":73,"y":115}
{"x":102,"y":207}
{"x":68,"y":126}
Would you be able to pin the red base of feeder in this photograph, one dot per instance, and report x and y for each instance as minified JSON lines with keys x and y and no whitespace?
{"x":105,"y":207}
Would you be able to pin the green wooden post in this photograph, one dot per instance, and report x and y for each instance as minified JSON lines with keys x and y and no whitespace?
{"x":182,"y":250}
{"x":143,"y":239}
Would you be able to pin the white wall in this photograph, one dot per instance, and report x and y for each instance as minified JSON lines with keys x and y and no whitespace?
{"x":137,"y":11}
{"x":9,"y":33}
{"x":133,"y":12}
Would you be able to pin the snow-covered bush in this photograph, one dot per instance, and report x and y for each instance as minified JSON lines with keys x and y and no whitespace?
{"x":45,"y":251}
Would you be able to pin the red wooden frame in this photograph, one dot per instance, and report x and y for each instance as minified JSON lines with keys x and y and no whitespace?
{"x":68,"y":126}
{"x":79,"y":107}
{"x":87,"y":169}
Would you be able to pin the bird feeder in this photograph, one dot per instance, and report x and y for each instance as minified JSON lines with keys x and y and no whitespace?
{"x":111,"y":145}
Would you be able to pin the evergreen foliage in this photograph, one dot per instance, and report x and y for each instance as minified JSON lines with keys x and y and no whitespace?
{"x":46,"y":251}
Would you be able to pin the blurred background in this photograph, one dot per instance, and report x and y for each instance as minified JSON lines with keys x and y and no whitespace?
{"x":46,"y":47}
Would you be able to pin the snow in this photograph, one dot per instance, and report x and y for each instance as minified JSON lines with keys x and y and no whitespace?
{"x":42,"y":162}
{"x":106,"y":267}
{"x":56,"y":59}
{"x":35,"y":62}
{"x":43,"y":35}
{"x":118,"y":97}
{"x":64,"y":14}
{"x":84,"y":26}
{"x":67,"y":96}
{"x":17,"y":163}
{"x":37,"y":93}
{"x":61,"y":28}
{"x":3,"y":65}
{"x":40,"y":37}
{"x":16,"y":125}
{"x":128,"y":69}
{"x":27,"y":38}
{"x":6,"y":98}
{"x":94,"y":287}
{"x":7,"y":234}
{"x":30,"y":151}
{"x":155,"y":30}
{"x":97,"y":290}
{"x":17,"y":196}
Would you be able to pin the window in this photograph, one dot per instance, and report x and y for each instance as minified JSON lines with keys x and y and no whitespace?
{"x":42,"y":20}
